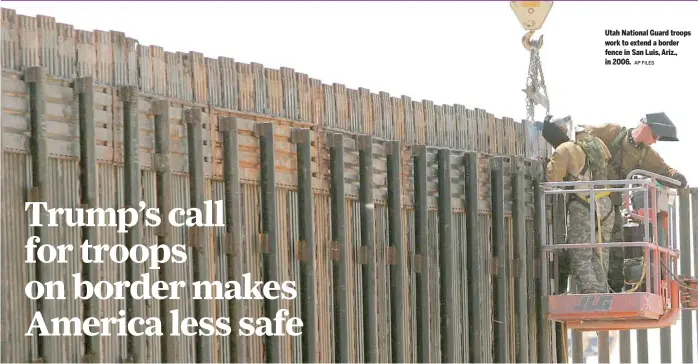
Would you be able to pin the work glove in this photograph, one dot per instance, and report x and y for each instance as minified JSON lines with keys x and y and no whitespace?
{"x":680,"y":177}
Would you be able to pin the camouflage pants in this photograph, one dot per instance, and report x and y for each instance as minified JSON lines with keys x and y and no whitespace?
{"x":589,"y":267}
{"x":616,"y":277}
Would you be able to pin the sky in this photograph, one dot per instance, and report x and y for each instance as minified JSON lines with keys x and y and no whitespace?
{"x":468,"y":53}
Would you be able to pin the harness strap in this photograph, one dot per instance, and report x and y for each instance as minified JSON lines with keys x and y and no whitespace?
{"x":585,"y":200}
{"x":597,"y":196}
{"x":617,"y":150}
{"x":586,"y":166}
{"x":642,"y":157}
{"x":616,"y":163}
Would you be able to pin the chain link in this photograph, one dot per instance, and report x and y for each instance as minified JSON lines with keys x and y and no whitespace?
{"x":535,"y":82}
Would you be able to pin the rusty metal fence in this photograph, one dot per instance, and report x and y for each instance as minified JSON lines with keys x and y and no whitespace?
{"x":408,"y":226}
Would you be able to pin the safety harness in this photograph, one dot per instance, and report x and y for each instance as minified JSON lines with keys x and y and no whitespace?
{"x":595,"y":161}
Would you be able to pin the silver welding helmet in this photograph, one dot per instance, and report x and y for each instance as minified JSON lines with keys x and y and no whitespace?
{"x":568,"y":124}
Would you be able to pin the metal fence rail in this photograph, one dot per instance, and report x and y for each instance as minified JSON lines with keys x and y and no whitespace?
{"x":408,"y":226}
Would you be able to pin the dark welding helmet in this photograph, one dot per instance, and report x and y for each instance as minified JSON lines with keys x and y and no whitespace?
{"x":553,"y":133}
{"x":661,"y":126}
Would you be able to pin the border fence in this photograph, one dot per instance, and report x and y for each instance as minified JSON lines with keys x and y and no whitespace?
{"x":408,"y":226}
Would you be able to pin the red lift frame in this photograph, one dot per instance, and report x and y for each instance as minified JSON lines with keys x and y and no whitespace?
{"x":658,"y":306}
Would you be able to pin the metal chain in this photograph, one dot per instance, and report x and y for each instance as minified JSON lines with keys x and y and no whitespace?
{"x":531,"y":83}
{"x":542,"y":82}
{"x":535,"y":83}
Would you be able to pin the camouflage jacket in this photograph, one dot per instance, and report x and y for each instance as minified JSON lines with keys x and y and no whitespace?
{"x":626,"y":155}
{"x":571,"y":162}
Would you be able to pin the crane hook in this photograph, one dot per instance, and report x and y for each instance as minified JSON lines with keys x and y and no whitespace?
{"x":528,"y":43}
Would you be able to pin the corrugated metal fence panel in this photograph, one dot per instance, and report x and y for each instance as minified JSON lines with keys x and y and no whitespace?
{"x":292,"y":231}
{"x":29,"y":42}
{"x":485,"y":236}
{"x":355,"y":276}
{"x":411,"y":321}
{"x":380,"y":173}
{"x":434,"y":277}
{"x":351,"y":173}
{"x":485,"y":189}
{"x":508,"y":238}
{"x":304,"y":97}
{"x":432,"y":183}
{"x":409,"y":282}
{"x":107,"y":129}
{"x":62,"y":130}
{"x":17,"y":310}
{"x":462,"y":307}
{"x":10,"y":39}
{"x":251,"y":211}
{"x":110,"y":193}
{"x":152,"y":307}
{"x":179,"y":161}
{"x":458,"y":178}
{"x":323,"y":269}
{"x":531,"y":296}
{"x":508,"y":182}
{"x":383,"y":287}
{"x":15,"y":112}
{"x":217,"y":190}
{"x":63,"y":177}
{"x":288,"y":265}
{"x":146,"y":124}
{"x":183,"y":272}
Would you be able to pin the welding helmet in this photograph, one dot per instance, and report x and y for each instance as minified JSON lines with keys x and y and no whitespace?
{"x":661,"y":126}
{"x":555,"y":132}
{"x":567,"y":125}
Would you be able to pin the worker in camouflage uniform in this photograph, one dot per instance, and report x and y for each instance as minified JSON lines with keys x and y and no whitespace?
{"x":630,"y":149}
{"x":584,"y":158}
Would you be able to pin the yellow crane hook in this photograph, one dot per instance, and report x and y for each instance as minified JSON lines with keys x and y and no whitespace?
{"x":531,"y":15}
{"x":528,"y":43}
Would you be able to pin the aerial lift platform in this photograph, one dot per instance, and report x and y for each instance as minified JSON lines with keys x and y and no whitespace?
{"x":657,"y":295}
